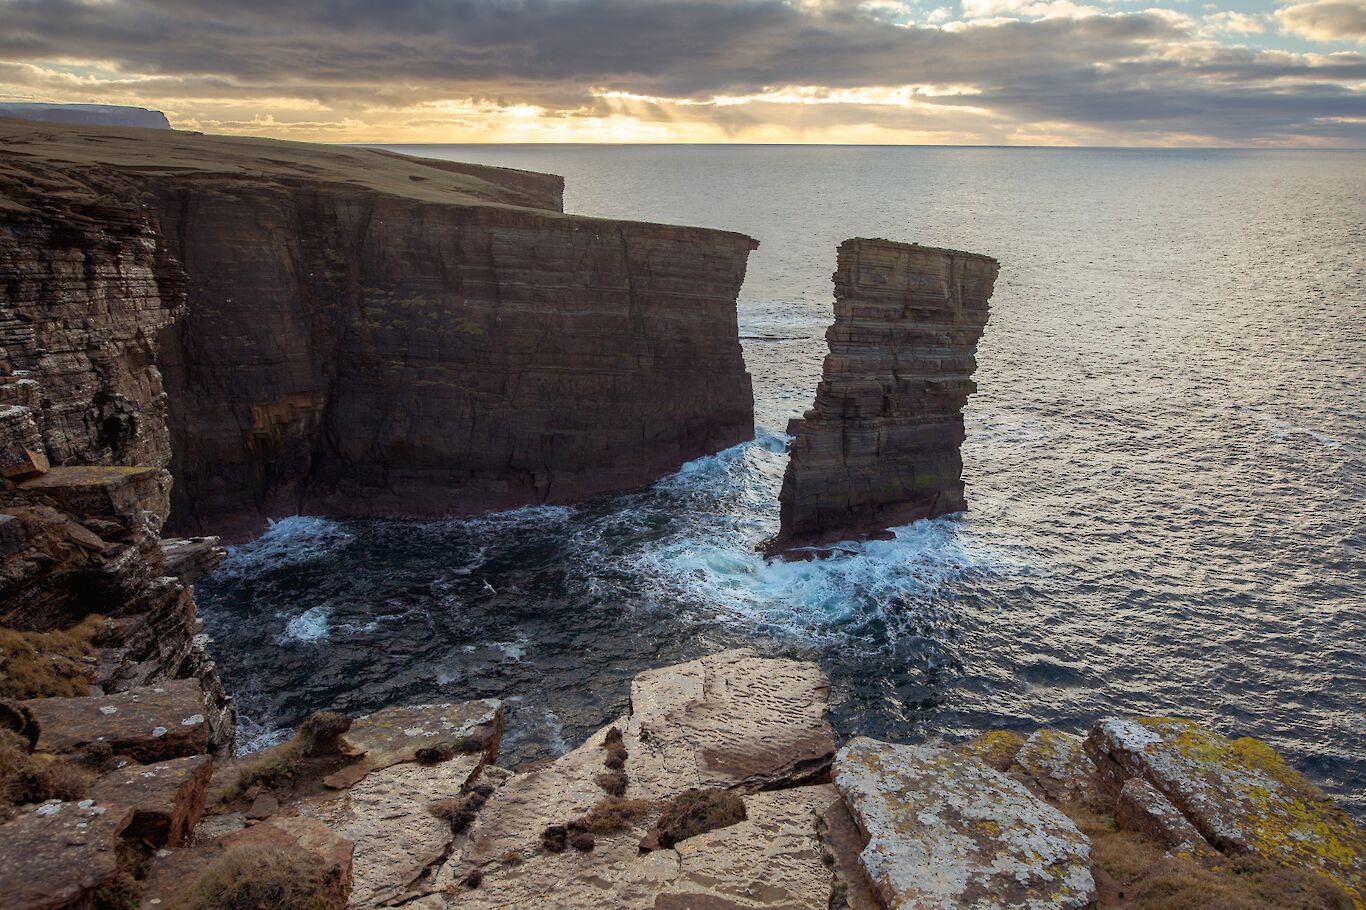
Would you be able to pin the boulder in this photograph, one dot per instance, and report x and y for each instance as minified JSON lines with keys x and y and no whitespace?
{"x":946,"y":831}
{"x":56,"y":855}
{"x":1056,"y":763}
{"x":732,"y":720}
{"x":149,"y":723}
{"x":1139,"y":807}
{"x":1239,"y":794}
{"x":394,"y":735}
{"x":167,"y":798}
{"x":173,"y":871}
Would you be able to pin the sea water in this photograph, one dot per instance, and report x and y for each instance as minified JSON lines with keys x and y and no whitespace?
{"x":1164,"y":465}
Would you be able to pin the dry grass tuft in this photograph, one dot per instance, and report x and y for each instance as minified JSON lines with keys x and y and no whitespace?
{"x":48,"y":664}
{"x":695,"y":812}
{"x":251,"y":877}
{"x":613,"y":814}
{"x":1135,"y":873}
{"x":613,"y":783}
{"x":29,"y":778}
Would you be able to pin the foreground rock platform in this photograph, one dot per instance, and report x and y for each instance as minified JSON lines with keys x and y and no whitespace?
{"x":1237,"y":793}
{"x":947,"y":832}
{"x":880,"y":446}
{"x":720,"y":789}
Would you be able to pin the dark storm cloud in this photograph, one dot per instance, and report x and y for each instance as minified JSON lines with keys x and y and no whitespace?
{"x":1133,"y":72}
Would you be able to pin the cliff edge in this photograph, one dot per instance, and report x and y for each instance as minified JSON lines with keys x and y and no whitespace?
{"x":366,"y":333}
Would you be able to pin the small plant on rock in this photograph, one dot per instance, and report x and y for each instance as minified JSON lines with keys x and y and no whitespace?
{"x":696,"y":812}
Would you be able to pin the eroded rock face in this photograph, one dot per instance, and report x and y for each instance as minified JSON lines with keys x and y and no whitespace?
{"x":1239,"y":794}
{"x":945,"y":831}
{"x":880,"y":446}
{"x":374,"y":334}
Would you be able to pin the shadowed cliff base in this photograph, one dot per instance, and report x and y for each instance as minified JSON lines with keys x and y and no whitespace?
{"x":365,"y":333}
{"x":880,"y":446}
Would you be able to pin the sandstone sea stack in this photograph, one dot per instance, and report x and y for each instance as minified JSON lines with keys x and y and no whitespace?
{"x":366,"y":333}
{"x":880,"y":447}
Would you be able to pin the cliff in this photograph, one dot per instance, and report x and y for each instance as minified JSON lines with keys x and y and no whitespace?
{"x":880,"y":447}
{"x":87,"y":114}
{"x":371,"y":334}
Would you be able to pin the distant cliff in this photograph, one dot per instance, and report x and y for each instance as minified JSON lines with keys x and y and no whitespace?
{"x":86,"y":114}
{"x":370,"y":334}
{"x":880,"y":447}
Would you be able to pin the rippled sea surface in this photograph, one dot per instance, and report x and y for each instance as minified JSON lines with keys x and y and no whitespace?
{"x":1165,"y":465}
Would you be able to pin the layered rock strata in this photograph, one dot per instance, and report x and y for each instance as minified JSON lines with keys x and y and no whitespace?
{"x":880,"y":446}
{"x":368,"y":333}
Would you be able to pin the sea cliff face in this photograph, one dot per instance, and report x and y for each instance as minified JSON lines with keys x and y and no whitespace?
{"x":409,"y":358}
{"x":368,"y":334}
{"x":880,"y":447}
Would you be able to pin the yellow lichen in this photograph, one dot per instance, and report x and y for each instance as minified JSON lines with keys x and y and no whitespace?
{"x":997,"y":748}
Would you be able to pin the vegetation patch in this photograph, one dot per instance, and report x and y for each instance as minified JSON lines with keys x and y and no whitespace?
{"x":1135,"y":873}
{"x":29,"y":778}
{"x":48,"y":664}
{"x":613,"y":814}
{"x":695,"y":812}
{"x":249,"y":877}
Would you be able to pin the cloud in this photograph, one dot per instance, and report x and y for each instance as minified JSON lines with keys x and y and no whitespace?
{"x":760,"y":70}
{"x":1229,"y":22}
{"x":1325,"y":20}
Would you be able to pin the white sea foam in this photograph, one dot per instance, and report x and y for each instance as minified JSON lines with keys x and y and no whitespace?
{"x":312,"y":625}
{"x":812,"y":599}
{"x":288,"y":542}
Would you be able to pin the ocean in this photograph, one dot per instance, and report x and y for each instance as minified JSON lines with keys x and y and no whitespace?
{"x":1165,"y":467}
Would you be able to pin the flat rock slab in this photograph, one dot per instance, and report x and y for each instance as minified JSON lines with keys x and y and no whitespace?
{"x":773,"y":860}
{"x":190,"y":558}
{"x":945,"y":831}
{"x":120,"y":493}
{"x":398,"y":841}
{"x":55,"y":854}
{"x":1239,"y":794}
{"x":1057,"y":764}
{"x":730,"y":720}
{"x":393,"y":735}
{"x":149,"y":723}
{"x":167,"y":798}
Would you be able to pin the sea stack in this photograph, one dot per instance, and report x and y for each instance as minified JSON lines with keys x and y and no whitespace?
{"x":880,"y":447}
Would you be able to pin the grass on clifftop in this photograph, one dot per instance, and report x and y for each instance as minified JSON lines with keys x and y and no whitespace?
{"x":29,"y":778}
{"x":251,"y":877}
{"x":48,"y":664}
{"x":1135,"y":873}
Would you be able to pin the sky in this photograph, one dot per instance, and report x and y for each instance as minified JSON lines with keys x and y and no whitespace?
{"x":993,"y":72}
